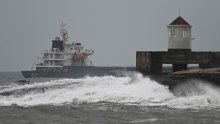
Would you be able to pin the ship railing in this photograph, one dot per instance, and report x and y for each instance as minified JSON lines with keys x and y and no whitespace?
{"x":53,"y":51}
{"x":49,"y":66}
{"x":54,"y":59}
{"x":40,"y":64}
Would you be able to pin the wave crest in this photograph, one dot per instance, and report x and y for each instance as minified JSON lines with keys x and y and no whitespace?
{"x":135,"y":90}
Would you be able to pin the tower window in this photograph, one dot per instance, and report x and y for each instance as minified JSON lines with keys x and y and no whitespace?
{"x":172,"y":33}
{"x":184,"y":33}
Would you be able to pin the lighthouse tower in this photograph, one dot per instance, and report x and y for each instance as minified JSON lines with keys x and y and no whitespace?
{"x":179,"y":38}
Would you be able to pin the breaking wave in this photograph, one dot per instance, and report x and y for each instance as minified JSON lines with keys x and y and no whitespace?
{"x":130,"y":90}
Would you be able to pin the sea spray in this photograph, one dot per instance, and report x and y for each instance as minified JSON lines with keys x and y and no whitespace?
{"x":135,"y":90}
{"x":196,"y":94}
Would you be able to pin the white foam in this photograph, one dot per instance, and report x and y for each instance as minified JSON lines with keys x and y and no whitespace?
{"x":136,"y":90}
{"x":196,"y":94}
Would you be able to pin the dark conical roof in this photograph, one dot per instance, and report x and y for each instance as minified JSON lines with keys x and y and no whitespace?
{"x":179,"y":21}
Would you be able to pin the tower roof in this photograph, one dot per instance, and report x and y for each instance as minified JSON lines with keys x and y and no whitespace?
{"x":179,"y":21}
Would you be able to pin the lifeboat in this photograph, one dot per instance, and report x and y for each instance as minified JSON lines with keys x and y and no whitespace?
{"x":79,"y":56}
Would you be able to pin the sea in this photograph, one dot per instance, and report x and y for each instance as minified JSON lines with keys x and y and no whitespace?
{"x":130,"y":99}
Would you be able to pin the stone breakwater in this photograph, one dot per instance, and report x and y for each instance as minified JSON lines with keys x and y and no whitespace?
{"x":211,"y":75}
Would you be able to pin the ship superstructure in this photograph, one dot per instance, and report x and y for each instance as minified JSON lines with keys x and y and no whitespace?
{"x":69,"y":60}
{"x":63,"y":54}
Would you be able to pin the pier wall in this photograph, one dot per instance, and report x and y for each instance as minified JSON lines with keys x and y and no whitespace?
{"x":152,"y":61}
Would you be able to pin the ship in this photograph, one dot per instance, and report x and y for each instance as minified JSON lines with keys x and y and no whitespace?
{"x":69,"y":60}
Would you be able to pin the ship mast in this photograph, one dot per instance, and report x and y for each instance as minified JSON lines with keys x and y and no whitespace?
{"x":64,"y":33}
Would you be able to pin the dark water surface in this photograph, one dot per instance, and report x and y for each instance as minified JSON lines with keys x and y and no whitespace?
{"x":99,"y":100}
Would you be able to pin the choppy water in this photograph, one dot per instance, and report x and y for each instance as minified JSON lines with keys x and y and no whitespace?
{"x":108,"y":99}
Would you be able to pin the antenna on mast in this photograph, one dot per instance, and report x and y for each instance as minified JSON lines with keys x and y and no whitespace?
{"x":179,"y":13}
{"x":64,"y":33}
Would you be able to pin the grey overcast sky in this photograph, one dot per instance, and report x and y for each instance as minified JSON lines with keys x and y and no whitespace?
{"x":115,"y":29}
